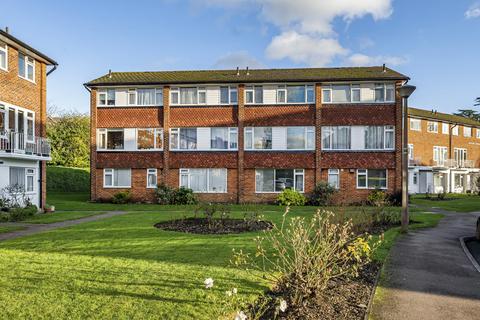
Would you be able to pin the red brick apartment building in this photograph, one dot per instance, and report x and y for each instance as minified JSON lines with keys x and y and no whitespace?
{"x":24,"y":149}
{"x":245,"y":135}
{"x":444,"y":152}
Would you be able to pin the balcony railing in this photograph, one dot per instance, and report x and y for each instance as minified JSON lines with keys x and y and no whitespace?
{"x":452,"y":163}
{"x":415,"y":161}
{"x":21,"y":143}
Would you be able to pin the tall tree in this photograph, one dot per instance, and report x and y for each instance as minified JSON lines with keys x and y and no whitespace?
{"x":68,"y":133}
{"x":468,"y":113}
{"x":477,"y":102}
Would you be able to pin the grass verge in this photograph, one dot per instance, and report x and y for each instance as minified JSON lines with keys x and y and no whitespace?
{"x":452,"y":202}
{"x":59,"y":216}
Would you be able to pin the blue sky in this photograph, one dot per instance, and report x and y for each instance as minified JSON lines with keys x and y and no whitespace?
{"x":436,"y":43}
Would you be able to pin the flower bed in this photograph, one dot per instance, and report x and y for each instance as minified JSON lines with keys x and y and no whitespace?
{"x":213,"y":226}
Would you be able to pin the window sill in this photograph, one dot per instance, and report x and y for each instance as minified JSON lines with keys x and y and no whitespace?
{"x":32,"y":81}
{"x":128,"y":106}
{"x":280,"y":150}
{"x":360,"y":102}
{"x":117,"y":187}
{"x":123,"y":150}
{"x":204,"y":150}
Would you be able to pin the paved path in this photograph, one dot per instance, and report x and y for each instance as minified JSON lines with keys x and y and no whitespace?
{"x":32,"y":228}
{"x":429,"y":276}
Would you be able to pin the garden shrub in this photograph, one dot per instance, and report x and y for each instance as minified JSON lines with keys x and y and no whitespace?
{"x":441,"y":196}
{"x":377,"y":198}
{"x":184,"y":195}
{"x":121,"y":197}
{"x":19,"y":214}
{"x":322,"y":194}
{"x":304,"y":255}
{"x":290,"y":197}
{"x":395,"y":198}
{"x":64,"y":179}
{"x":164,"y":194}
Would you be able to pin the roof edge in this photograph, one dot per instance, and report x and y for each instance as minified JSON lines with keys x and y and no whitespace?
{"x":22,"y":44}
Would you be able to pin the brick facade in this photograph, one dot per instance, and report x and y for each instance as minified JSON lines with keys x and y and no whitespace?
{"x":241,"y":164}
{"x":29,"y":95}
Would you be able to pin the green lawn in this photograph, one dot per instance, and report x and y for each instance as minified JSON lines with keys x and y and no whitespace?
{"x":5,"y":229}
{"x":123,"y":267}
{"x":454,"y":202}
{"x":60,"y":216}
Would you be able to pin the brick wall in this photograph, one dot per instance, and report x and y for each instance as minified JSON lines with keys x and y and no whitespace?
{"x":28,"y":95}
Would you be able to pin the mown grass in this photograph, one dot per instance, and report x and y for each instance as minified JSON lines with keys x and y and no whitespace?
{"x":452,"y":202}
{"x":5,"y":229}
{"x":59,"y":216}
{"x":124,"y":268}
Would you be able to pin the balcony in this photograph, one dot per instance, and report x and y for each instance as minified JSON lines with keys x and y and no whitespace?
{"x":19,"y":144}
{"x":453,"y":163}
{"x":416,"y":161}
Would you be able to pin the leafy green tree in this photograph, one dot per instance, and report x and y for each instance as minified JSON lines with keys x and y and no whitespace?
{"x":468,"y":113}
{"x":69,"y":137}
{"x":477,"y":102}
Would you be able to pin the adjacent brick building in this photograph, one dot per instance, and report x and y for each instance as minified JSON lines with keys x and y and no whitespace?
{"x":444,"y":152}
{"x":24,"y":149}
{"x":245,"y":135}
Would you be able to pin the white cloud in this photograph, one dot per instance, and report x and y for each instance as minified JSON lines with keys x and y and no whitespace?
{"x":237,"y":59}
{"x":473,"y":11}
{"x":301,"y":48}
{"x":359,"y":59}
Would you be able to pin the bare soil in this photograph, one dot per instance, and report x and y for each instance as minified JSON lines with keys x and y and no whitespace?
{"x":213,"y":226}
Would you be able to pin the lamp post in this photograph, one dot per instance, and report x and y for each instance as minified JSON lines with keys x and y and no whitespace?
{"x":405,"y":91}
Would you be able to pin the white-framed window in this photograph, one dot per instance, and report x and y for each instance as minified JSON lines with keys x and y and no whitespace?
{"x":258,"y":138}
{"x":110,"y":139}
{"x":440,"y":155}
{"x":26,"y":67}
{"x":145,"y":97}
{"x":379,"y":137}
{"x":3,"y":120}
{"x":336,"y":138}
{"x":151,"y":178}
{"x":355,"y":93}
{"x":410,"y":151}
{"x":287,"y":138}
{"x":253,"y":94}
{"x":371,"y":179}
{"x":183,"y":138}
{"x":467,"y":132}
{"x":117,"y":178}
{"x":295,"y":93}
{"x":30,"y":180}
{"x":3,"y":56}
{"x":455,"y":130}
{"x":106,"y":97}
{"x":150,"y":139}
{"x":415,"y":178}
{"x":211,"y":180}
{"x":416,"y":124}
{"x":477,"y":130}
{"x":432,"y":126}
{"x":228,"y":95}
{"x":277,"y":180}
{"x":30,"y":126}
{"x":445,"y":128}
{"x":222,"y":138}
{"x":300,"y":138}
{"x":188,"y":95}
{"x":460,"y":155}
{"x":334,"y":178}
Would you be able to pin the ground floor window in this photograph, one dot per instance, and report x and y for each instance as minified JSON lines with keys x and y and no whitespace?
{"x":334,"y":178}
{"x":371,"y":179}
{"x":204,"y":180}
{"x":117,"y":178}
{"x":276,"y":180}
{"x":23,"y":178}
{"x":151,"y":178}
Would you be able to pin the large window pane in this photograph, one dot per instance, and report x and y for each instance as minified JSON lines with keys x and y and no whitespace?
{"x":374,"y":136}
{"x":377,"y":178}
{"x":111,"y":97}
{"x":258,"y":94}
{"x":264,"y":180}
{"x":2,"y":119}
{"x":146,"y":97}
{"x":198,"y":180}
{"x":296,"y":94}
{"x":145,"y":139}
{"x":217,"y":179}
{"x":3,"y":55}
{"x":219,"y":138}
{"x":284,"y":178}
{"x":262,"y":138}
{"x":341,"y":93}
{"x":188,"y":95}
{"x":115,"y":140}
{"x":122,"y":177}
{"x":224,"y":95}
{"x":188,"y":138}
{"x":296,"y":138}
{"x":17,"y":177}
{"x":21,"y":65}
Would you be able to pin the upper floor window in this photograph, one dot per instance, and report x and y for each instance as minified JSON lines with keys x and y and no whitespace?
{"x":188,"y":95}
{"x":455,"y":130}
{"x":279,"y":138}
{"x":416,"y":124}
{"x":467,"y":132}
{"x":254,"y":94}
{"x":3,"y":56}
{"x":259,"y":138}
{"x":183,"y":138}
{"x":110,"y":139}
{"x":106,"y":97}
{"x":26,"y":67}
{"x":432,"y":126}
{"x":478,"y":133}
{"x":379,"y":137}
{"x":150,"y":139}
{"x":295,"y":94}
{"x":445,"y":128}
{"x":410,"y":151}
{"x":354,"y":93}
{"x":145,"y":97}
{"x":228,"y":95}
{"x":3,"y":119}
{"x":223,"y":138}
{"x":440,"y":154}
{"x":336,"y":138}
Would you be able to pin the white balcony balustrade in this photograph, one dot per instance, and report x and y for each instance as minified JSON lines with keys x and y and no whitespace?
{"x":21,"y":143}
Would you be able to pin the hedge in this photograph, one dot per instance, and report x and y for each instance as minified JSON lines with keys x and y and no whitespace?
{"x":64,"y":179}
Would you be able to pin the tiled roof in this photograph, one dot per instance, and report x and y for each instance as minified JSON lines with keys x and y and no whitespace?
{"x":254,"y":75}
{"x":428,"y":114}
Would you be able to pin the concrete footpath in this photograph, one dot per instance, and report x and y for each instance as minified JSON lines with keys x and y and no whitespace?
{"x":32,"y":228}
{"x":428,"y":275}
